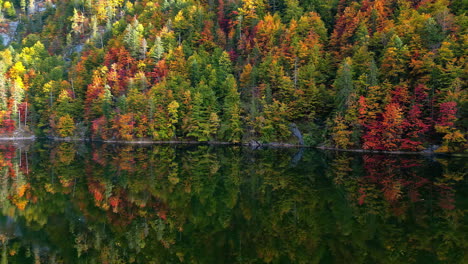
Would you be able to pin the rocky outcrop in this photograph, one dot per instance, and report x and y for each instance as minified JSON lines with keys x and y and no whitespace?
{"x":8,"y":32}
{"x":297,"y":133}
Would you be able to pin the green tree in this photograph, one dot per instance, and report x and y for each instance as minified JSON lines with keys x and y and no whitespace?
{"x":231,"y":126}
{"x":344,"y":84}
{"x":204,"y":117}
{"x":133,"y":37}
{"x":293,"y":10}
{"x":157,"y":51}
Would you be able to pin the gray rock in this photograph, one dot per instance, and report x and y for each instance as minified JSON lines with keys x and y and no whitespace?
{"x":431,"y":149}
{"x":254,"y":144}
{"x":297,"y":133}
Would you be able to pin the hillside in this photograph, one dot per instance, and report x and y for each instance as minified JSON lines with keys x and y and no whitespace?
{"x":370,"y":74}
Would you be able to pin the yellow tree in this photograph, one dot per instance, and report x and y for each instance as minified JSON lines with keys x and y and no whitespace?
{"x":66,"y":126}
{"x":251,"y":10}
{"x":341,"y":133}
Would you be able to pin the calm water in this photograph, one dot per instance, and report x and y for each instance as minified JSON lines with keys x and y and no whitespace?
{"x":75,"y":203}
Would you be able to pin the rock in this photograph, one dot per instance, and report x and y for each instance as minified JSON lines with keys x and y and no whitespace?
{"x":431,"y":149}
{"x":78,"y":48}
{"x":5,"y":39}
{"x":297,"y":133}
{"x":8,"y":35}
{"x":254,"y":144}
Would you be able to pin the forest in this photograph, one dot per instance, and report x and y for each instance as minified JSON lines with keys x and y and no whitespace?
{"x":380,"y":75}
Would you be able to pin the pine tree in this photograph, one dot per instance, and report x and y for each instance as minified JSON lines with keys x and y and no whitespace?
{"x":344,"y":84}
{"x":293,"y":10}
{"x":133,"y":37}
{"x":223,"y":70}
{"x":372,"y":79}
{"x":204,"y":118}
{"x":157,"y":51}
{"x":231,"y":127}
{"x":395,"y":61}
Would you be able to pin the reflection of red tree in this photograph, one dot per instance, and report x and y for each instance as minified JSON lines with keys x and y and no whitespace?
{"x":397,"y":178}
{"x":19,"y":188}
{"x":123,"y":211}
{"x":7,"y":155}
{"x":97,"y":190}
{"x":447,"y":200}
{"x":120,"y":206}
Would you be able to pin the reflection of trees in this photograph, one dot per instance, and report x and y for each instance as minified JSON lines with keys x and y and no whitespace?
{"x":410,"y":202}
{"x":202,"y":204}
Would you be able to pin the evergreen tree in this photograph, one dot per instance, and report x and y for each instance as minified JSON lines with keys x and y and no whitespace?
{"x":157,"y":51}
{"x":133,"y":37}
{"x":344,"y":84}
{"x":231,"y":127}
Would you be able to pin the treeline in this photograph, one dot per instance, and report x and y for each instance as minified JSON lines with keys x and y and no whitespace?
{"x":379,"y":75}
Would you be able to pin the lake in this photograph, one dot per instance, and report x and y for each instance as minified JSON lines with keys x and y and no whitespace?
{"x":97,"y":203}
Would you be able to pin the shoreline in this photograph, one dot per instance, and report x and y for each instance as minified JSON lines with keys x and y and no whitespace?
{"x":30,"y":138}
{"x":253,"y":144}
{"x":398,"y":152}
{"x":188,"y":142}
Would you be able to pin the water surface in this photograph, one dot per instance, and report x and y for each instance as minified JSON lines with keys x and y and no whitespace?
{"x":76,"y":203}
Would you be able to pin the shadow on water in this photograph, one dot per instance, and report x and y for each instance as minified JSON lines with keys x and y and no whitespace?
{"x":77,"y":203}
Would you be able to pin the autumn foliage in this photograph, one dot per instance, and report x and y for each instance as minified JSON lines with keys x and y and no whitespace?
{"x":376,"y":75}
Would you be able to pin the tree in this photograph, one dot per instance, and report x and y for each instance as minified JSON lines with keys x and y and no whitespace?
{"x":231,"y":126}
{"x":9,"y":9}
{"x":106,"y":9}
{"x":293,"y":10}
{"x":124,"y":125}
{"x":251,"y":10}
{"x":309,"y":96}
{"x":395,"y":60}
{"x":133,"y":37}
{"x":157,"y":51}
{"x":223,"y":72}
{"x":344,"y":84}
{"x":341,"y":133}
{"x":385,"y":132}
{"x":273,"y":123}
{"x":344,"y":29}
{"x":432,"y":33}
{"x":414,"y":128}
{"x":65,"y":126}
{"x":453,"y":139}
{"x":78,"y":20}
{"x":95,"y":95}
{"x":204,"y":118}
{"x":66,"y":104}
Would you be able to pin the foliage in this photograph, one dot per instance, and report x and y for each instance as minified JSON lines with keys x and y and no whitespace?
{"x":65,"y":126}
{"x":379,"y":75}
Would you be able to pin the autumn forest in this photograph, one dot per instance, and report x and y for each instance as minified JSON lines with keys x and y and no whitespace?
{"x":369,"y":74}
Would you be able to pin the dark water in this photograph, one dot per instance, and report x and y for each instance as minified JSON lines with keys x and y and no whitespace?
{"x":75,"y":203}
